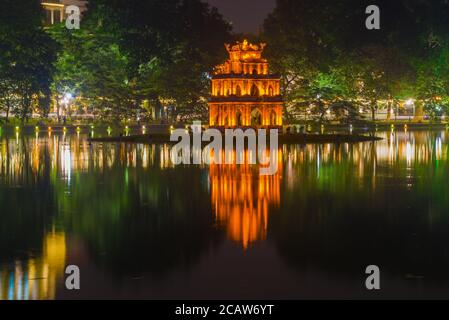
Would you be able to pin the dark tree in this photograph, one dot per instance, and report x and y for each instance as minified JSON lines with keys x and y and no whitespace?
{"x":27,"y":54}
{"x":312,"y":39}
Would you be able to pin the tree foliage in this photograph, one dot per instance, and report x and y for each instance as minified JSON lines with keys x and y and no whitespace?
{"x":162,"y":50}
{"x":27,"y":54}
{"x":311,"y":40}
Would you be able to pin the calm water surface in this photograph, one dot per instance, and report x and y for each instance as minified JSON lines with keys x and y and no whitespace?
{"x":139,"y":227}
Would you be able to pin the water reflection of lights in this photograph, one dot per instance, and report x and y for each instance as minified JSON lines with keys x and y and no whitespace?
{"x":66,"y":162}
{"x":438,"y":148}
{"x":37,"y":278}
{"x":69,"y":154}
{"x":241,"y":199}
{"x":409,"y":153}
{"x":72,"y":154}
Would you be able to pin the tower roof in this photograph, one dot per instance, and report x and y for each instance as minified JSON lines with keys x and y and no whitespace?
{"x":245,"y":51}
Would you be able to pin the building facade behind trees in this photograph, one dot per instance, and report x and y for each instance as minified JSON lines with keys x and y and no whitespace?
{"x":55,"y":9}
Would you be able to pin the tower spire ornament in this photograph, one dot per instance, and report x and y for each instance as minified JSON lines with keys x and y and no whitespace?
{"x":244,"y":93}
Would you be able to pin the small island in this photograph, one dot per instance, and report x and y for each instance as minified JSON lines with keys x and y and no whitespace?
{"x":283,"y":138}
{"x":246,"y":95}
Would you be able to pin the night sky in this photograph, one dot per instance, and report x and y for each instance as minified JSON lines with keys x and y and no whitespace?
{"x":246,"y":15}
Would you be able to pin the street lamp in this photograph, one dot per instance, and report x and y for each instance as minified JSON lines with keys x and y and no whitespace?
{"x":67,"y":97}
{"x":411,"y":103}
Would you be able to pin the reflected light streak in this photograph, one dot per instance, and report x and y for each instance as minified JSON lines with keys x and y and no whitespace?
{"x":241,"y":199}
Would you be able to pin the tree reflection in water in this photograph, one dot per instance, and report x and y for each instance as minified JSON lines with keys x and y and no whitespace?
{"x":330,"y":207}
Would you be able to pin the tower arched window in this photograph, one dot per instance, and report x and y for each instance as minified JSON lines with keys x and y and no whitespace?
{"x":218,"y":89}
{"x":239,"y":118}
{"x":238,"y":91}
{"x":270,"y":91}
{"x":256,"y":117}
{"x":254,"y":91}
{"x":273,"y":118}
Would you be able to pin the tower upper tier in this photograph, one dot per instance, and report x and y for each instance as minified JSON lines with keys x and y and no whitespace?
{"x":244,"y":58}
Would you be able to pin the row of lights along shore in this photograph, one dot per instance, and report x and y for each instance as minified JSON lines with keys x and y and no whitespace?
{"x":78,"y":129}
{"x":144,"y":129}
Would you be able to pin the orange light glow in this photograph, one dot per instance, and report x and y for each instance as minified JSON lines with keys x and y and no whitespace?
{"x":241,"y":200}
{"x":243,"y":91}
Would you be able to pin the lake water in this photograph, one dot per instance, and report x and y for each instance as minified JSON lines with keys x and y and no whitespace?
{"x":139,"y":227}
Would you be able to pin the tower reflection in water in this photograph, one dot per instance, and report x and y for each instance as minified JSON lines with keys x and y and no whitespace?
{"x":406,"y":165}
{"x":242,"y":199}
{"x":37,"y":277}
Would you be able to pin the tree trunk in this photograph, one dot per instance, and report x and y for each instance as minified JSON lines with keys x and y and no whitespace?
{"x":8,"y":108}
{"x":389,"y":110}
{"x":419,"y":112}
{"x":57,"y":110}
{"x":158,"y":110}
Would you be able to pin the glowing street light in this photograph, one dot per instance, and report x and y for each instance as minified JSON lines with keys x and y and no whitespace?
{"x":65,"y":101}
{"x":409,"y":102}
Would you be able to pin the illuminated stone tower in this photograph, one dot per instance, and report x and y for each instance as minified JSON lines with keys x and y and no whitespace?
{"x":243,"y":92}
